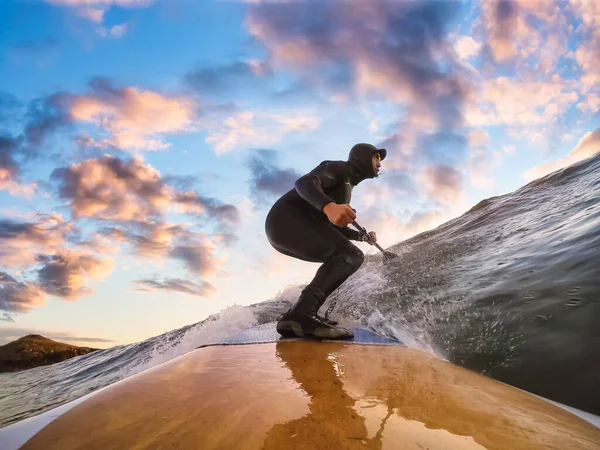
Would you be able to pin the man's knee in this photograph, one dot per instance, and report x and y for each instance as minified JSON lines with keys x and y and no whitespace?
{"x":354,"y":256}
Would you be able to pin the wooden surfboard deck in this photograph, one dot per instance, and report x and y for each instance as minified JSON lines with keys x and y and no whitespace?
{"x":299,"y":394}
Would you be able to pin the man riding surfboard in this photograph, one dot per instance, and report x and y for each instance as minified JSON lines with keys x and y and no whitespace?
{"x":310,"y":222}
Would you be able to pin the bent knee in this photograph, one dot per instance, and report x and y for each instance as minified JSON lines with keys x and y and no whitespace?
{"x":354,"y":256}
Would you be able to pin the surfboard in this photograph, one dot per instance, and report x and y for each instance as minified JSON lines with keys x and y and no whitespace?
{"x":254,"y":390}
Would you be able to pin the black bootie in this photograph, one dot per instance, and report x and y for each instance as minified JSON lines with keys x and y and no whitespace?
{"x":302,"y":319}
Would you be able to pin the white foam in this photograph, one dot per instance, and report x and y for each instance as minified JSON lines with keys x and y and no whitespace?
{"x":229,"y":321}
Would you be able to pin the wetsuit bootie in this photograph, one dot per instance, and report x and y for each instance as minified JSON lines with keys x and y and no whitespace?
{"x":310,"y":326}
{"x":302,"y":319}
{"x":327,"y":320}
{"x":322,"y":318}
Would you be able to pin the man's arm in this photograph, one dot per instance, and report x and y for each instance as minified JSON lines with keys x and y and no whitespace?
{"x":327,"y":174}
{"x":351,"y":234}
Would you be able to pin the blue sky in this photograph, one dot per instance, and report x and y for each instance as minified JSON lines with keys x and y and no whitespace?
{"x":142,"y":142}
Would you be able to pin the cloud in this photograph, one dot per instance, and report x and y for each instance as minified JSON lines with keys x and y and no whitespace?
{"x":587,"y":146}
{"x":133,"y":119}
{"x":588,"y":58}
{"x":44,"y":117}
{"x":268,"y":180}
{"x":466,"y":47}
{"x":115,"y":31}
{"x":94,"y":10}
{"x":256,"y":129}
{"x":192,"y":203}
{"x":21,"y":241}
{"x":591,"y":104}
{"x":506,"y":101}
{"x":65,"y":273}
{"x":478,"y":138}
{"x":175,"y":285}
{"x":159,"y":240}
{"x":388,"y":48}
{"x":10,"y":170}
{"x":421,"y":221}
{"x":198,"y":258}
{"x":149,"y":240}
{"x":18,"y":296}
{"x":442,"y":183}
{"x":479,"y":164}
{"x":121,"y":3}
{"x":114,"y":189}
{"x":228,"y":79}
{"x":504,"y":25}
{"x":5,"y":317}
{"x":92,"y":14}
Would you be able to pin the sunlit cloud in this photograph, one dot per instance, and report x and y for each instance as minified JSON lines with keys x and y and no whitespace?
{"x":65,"y":273}
{"x":115,"y":189}
{"x":19,"y":296}
{"x":257,"y":129}
{"x":176,"y":285}
{"x":508,"y":102}
{"x":587,"y":146}
{"x":21,"y":241}
{"x":442,"y":183}
{"x":133,"y":119}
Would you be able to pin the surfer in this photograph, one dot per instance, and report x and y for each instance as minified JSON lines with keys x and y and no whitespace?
{"x":310,"y":222}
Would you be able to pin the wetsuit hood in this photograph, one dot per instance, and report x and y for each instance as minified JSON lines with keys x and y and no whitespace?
{"x":360,"y":159}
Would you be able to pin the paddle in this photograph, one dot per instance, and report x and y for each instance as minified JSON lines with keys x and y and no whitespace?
{"x":386,"y":255}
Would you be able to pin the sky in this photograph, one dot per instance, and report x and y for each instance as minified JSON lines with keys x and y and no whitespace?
{"x":142,"y":142}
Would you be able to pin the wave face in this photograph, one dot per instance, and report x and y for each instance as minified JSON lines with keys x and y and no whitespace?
{"x":511,"y":289}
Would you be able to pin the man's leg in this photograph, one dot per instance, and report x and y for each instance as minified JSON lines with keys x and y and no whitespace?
{"x":296,"y":235}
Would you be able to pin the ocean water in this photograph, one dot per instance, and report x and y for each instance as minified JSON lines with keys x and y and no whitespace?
{"x":511,"y":289}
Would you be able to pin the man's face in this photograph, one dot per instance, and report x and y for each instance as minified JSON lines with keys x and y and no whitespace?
{"x":376,"y":160}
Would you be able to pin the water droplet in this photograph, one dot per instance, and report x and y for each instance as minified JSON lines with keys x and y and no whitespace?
{"x":573,"y":291}
{"x":573,"y":302}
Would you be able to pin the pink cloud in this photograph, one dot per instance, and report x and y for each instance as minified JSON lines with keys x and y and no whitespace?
{"x":100,"y":3}
{"x":7,"y":183}
{"x":442,"y":183}
{"x":114,"y":189}
{"x":506,"y":101}
{"x":588,"y":58}
{"x":158,"y":241}
{"x":133,"y":119}
{"x":479,"y":164}
{"x":587,"y":146}
{"x":466,"y":47}
{"x":21,"y":241}
{"x":92,"y":14}
{"x":110,"y":188}
{"x":257,"y":129}
{"x":19,"y":296}
{"x":176,"y":285}
{"x":65,"y":273}
{"x":391,"y":49}
{"x":478,"y":138}
{"x":590,"y":103}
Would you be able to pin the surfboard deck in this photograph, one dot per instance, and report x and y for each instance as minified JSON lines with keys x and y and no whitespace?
{"x":303,"y":394}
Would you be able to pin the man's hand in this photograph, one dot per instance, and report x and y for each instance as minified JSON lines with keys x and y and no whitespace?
{"x":373,"y":237}
{"x":340,"y":215}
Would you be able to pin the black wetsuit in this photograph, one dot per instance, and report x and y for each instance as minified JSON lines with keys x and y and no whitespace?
{"x":297,"y":227}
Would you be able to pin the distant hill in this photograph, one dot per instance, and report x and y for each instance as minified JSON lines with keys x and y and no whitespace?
{"x":34,"y":350}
